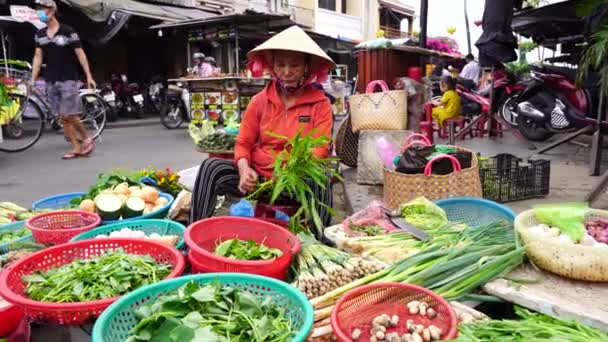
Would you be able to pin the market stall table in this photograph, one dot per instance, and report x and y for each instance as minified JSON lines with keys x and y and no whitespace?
{"x":553,"y":295}
{"x":220,"y":98}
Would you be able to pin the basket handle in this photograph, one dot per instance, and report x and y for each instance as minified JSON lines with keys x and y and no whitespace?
{"x":415,"y":135}
{"x":455,"y":163}
{"x":415,"y":142}
{"x":371,"y":86}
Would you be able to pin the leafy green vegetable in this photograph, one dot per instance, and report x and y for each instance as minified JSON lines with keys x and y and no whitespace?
{"x":424,"y":214}
{"x":568,"y":217}
{"x":370,"y":230}
{"x":530,"y":327}
{"x":8,"y":236}
{"x":210,"y":313}
{"x":297,"y":162}
{"x":108,"y":181}
{"x":218,"y":142}
{"x":246,"y":250}
{"x":111,"y":274}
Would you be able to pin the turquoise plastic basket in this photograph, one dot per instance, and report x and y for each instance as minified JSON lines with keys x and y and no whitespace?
{"x":117,"y":320}
{"x":5,"y":247}
{"x":162,"y":227}
{"x":475,"y":211}
{"x":63,"y":200}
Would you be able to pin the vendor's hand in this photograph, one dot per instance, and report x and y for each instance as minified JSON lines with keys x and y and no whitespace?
{"x":91,"y":84}
{"x":248,"y":180}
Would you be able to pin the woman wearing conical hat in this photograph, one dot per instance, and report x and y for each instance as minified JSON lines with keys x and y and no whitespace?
{"x":289,"y":103}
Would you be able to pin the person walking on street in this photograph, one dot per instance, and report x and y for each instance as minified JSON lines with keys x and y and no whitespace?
{"x":60,"y":47}
{"x":471,"y":70}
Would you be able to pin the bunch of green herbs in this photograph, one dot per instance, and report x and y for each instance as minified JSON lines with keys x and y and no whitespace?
{"x":108,"y":275}
{"x":530,"y":327}
{"x":293,"y":166}
{"x":107,"y":181}
{"x":246,"y":250}
{"x":211,"y":313}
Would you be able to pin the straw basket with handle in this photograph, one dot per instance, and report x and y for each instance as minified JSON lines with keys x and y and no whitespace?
{"x":386,"y":110}
{"x":573,"y":261}
{"x":400,"y":188}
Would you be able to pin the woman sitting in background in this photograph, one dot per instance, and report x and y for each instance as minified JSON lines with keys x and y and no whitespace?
{"x":290,"y":102}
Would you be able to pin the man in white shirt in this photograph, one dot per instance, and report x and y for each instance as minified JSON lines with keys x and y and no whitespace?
{"x":471,"y":71}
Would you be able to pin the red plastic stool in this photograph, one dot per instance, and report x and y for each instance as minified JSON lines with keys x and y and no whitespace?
{"x":481,"y":127}
{"x":459,"y":122}
{"x":426,"y":122}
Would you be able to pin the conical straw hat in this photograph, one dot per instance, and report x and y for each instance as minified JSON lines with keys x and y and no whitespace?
{"x":293,"y":39}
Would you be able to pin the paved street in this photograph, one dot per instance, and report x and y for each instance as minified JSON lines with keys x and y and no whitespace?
{"x":39,"y":171}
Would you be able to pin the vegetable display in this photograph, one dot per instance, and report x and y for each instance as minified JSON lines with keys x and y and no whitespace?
{"x":10,"y":235}
{"x":319,"y":269}
{"x":598,"y":229}
{"x":170,"y":240}
{"x":530,"y":327}
{"x":218,"y":142}
{"x":10,"y":212}
{"x":452,"y":268}
{"x":123,"y":201}
{"x":107,"y":182}
{"x":211,"y":313}
{"x":108,"y":275}
{"x":166,"y":180}
{"x":423,"y":214}
{"x":246,"y":250}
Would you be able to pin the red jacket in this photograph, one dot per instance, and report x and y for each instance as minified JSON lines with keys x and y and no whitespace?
{"x":266,"y":113}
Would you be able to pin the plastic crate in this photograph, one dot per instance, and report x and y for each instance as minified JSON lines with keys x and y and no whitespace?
{"x":507,"y":178}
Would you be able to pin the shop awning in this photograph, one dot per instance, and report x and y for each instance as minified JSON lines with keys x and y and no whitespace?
{"x":272,"y":20}
{"x":398,"y":7}
{"x":100,"y":11}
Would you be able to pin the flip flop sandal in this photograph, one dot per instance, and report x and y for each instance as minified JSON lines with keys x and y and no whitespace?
{"x":70,"y":155}
{"x":88,"y":149}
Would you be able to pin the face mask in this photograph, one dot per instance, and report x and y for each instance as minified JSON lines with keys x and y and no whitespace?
{"x":42,"y":16}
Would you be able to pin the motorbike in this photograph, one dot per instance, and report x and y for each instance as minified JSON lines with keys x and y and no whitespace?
{"x":552,"y":103}
{"x":473,"y":102}
{"x":110,"y":98}
{"x":175,"y":107}
{"x":153,"y":95}
{"x":130,"y":101}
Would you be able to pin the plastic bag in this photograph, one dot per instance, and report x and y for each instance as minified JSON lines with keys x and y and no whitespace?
{"x":372,"y":215}
{"x":414,"y":159}
{"x":242,"y":208}
{"x":423,"y":214}
{"x":444,"y":166}
{"x":568,"y":217}
{"x":199,"y":130}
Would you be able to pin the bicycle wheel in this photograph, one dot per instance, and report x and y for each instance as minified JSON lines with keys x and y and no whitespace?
{"x":24,"y":127}
{"x":94,"y":114}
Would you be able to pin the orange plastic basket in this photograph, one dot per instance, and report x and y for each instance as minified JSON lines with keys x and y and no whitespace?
{"x":358,"y":308}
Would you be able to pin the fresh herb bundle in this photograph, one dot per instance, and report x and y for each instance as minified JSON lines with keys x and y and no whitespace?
{"x":111,"y":274}
{"x":530,"y":327}
{"x":246,"y":250}
{"x":296,"y":163}
{"x":211,"y":313}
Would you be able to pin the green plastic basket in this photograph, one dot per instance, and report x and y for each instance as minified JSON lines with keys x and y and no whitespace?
{"x":6,"y":247}
{"x":162,"y":227}
{"x":117,"y":320}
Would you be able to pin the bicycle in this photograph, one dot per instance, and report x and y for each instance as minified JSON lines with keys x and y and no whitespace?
{"x":30,"y":110}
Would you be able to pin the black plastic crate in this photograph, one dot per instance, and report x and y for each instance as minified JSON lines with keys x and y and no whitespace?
{"x":506,"y":178}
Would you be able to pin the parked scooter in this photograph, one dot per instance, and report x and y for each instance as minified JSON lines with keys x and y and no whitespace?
{"x":130,"y":99}
{"x":551,"y":103}
{"x":475,"y":102}
{"x":175,"y":109}
{"x":110,"y":98}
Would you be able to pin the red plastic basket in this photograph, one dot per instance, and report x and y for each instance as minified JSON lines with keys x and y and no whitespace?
{"x":12,"y":288}
{"x":197,"y":267}
{"x":357,"y":309}
{"x":10,"y":317}
{"x":57,"y":227}
{"x":203,"y":236}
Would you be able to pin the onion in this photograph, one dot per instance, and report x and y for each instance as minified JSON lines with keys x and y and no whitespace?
{"x":565,"y":239}
{"x":149,"y":194}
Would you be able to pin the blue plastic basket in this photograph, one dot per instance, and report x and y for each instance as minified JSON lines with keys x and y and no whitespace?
{"x":475,"y":211}
{"x":162,"y":227}
{"x":63,"y":200}
{"x":117,"y":320}
{"x":5,"y":247}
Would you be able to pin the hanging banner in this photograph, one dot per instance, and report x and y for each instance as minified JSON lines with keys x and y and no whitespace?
{"x":26,"y":14}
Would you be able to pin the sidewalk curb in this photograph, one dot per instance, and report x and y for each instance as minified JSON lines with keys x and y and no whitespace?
{"x":122,"y":123}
